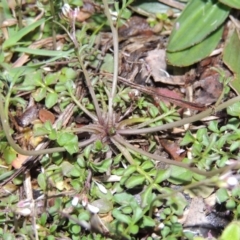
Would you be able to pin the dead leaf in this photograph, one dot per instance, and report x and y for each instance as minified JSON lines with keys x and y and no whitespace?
{"x":173,"y":149}
{"x":28,"y":116}
{"x":45,"y":115}
{"x":18,"y":162}
{"x":135,"y":26}
{"x":156,"y":61}
{"x":210,"y":89}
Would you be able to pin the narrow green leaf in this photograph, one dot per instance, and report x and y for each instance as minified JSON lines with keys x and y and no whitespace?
{"x":147,"y":197}
{"x":197,"y":52}
{"x":134,"y":181}
{"x":43,"y":52}
{"x":121,"y":217}
{"x":102,"y":166}
{"x":123,"y":198}
{"x":197,"y":21}
{"x":231,"y":3}
{"x":41,"y":179}
{"x":137,"y":214}
{"x":231,"y":58}
{"x":13,"y":40}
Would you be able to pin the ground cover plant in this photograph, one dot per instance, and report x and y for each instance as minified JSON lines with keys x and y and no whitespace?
{"x":94,"y":142}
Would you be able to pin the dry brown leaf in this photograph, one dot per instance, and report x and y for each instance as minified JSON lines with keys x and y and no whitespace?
{"x":18,"y":162}
{"x":45,"y":115}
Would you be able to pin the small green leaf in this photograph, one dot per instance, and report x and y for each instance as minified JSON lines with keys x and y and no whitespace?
{"x":107,"y":65}
{"x":76,"y":229}
{"x":69,"y":141}
{"x":180,"y":175}
{"x":123,"y":198}
{"x":234,"y":109}
{"x":230,"y":204}
{"x":133,"y":229}
{"x":188,"y":138}
{"x":147,"y":197}
{"x":76,"y":171}
{"x":87,"y":151}
{"x":147,"y":222}
{"x":102,"y":166}
{"x":51,"y":79}
{"x":232,"y":231}
{"x":41,"y":179}
{"x":130,"y":170}
{"x":9,"y":155}
{"x":162,"y":175}
{"x":147,"y":165}
{"x":39,"y":94}
{"x":66,"y":168}
{"x":222,"y":195}
{"x":121,"y":217}
{"x":51,"y":99}
{"x":213,"y":126}
{"x":134,"y":181}
{"x":43,"y":219}
{"x":137,"y":214}
{"x":153,"y":111}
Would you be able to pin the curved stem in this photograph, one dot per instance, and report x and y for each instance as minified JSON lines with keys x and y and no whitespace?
{"x":121,"y":140}
{"x":180,"y":122}
{"x":115,"y":73}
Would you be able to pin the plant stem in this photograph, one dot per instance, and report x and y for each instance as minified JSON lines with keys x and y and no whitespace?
{"x":115,"y":73}
{"x":182,"y":122}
